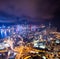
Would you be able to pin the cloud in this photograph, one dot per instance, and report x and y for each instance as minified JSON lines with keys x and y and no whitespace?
{"x":37,"y":9}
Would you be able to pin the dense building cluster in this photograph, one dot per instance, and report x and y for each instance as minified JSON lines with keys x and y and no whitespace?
{"x":29,"y":41}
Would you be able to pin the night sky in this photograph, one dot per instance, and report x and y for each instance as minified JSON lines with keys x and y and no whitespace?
{"x":36,"y":11}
